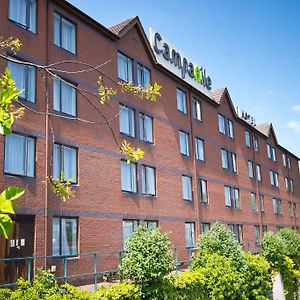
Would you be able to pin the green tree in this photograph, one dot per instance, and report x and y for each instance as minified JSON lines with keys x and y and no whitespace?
{"x":149,"y":256}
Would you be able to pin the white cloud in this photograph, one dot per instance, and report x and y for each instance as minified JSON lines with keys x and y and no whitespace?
{"x":296,"y":108}
{"x":294,"y":125}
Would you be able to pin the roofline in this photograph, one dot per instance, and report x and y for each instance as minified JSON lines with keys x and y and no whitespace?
{"x":88,"y":18}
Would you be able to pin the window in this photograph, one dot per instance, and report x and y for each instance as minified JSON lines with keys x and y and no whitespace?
{"x":64,"y":97}
{"x":148,"y":181}
{"x":190,"y":235}
{"x":258,"y":172}
{"x":203,"y":191}
{"x":184,"y":143}
{"x":271,"y":153}
{"x":199,"y":143}
{"x":127,"y":122}
{"x":261,"y":203}
{"x":274,"y":178}
{"x":197,"y":109}
{"x":232,"y":197}
{"x":146,"y":128}
{"x":23,"y":12}
{"x":143,"y":76}
{"x":255,"y":143}
{"x":228,"y":160}
{"x":289,"y":163}
{"x":253,"y":202}
{"x":25,"y":78}
{"x":284,"y":160}
{"x":181,"y":101}
{"x":277,"y":206}
{"x":221,"y":122}
{"x":65,"y":162}
{"x":292,"y":209}
{"x":151,"y":224}
{"x":205,"y":227}
{"x":65,"y":236}
{"x":64,"y":33}
{"x":128,"y":177}
{"x":264,"y":229}
{"x":187,"y":188}
{"x":124,"y":67}
{"x":19,"y":155}
{"x":237,"y":231}
{"x":291,"y":186}
{"x":128,"y":227}
{"x":248,"y":140}
{"x":257,"y":233}
{"x":250,"y":169}
{"x":287,"y":185}
{"x":230,"y":129}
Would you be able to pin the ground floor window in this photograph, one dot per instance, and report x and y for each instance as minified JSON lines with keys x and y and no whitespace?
{"x":190,"y":235}
{"x":64,"y":236}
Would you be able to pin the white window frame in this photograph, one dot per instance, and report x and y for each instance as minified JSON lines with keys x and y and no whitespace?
{"x":190,"y":238}
{"x":255,"y":143}
{"x":232,"y":197}
{"x":203,"y":191}
{"x":221,"y":124}
{"x":253,"y":202}
{"x":197,"y":110}
{"x":250,"y":169}
{"x":248,"y":138}
{"x":258,"y":172}
{"x":141,"y":76}
{"x":261,"y":203}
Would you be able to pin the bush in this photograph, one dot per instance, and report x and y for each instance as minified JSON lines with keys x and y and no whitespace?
{"x":292,"y":244}
{"x":222,"y":280}
{"x":122,"y":291}
{"x":220,"y":240}
{"x":258,"y":279}
{"x":149,"y":256}
{"x":46,"y":287}
{"x":190,"y":285}
{"x":5,"y":294}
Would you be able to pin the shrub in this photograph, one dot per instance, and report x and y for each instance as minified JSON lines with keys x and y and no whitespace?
{"x":122,"y":291}
{"x":149,"y":256}
{"x":190,"y":285}
{"x":222,"y":280}
{"x":5,"y":294}
{"x":292,"y":244}
{"x":258,"y":279}
{"x":220,"y":240}
{"x":46,"y":287}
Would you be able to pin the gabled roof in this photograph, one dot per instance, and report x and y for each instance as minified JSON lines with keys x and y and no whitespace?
{"x":119,"y":27}
{"x":264,"y":128}
{"x":218,"y":94}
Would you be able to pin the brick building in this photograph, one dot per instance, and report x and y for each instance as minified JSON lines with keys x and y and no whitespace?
{"x":204,"y":160}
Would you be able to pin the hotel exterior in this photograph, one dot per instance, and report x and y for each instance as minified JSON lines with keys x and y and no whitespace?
{"x":204,"y":159}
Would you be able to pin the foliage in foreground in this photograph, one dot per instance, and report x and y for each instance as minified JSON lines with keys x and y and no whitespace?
{"x":149,"y":256}
{"x":277,"y":250}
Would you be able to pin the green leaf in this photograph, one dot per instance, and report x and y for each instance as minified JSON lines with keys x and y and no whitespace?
{"x":12,"y":193}
{"x":5,"y":225}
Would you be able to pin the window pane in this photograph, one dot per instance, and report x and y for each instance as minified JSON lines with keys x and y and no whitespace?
{"x":190,"y":235}
{"x":146,"y":77}
{"x":32,"y":15}
{"x":199,"y":149}
{"x":227,"y":192}
{"x":68,"y":236}
{"x":187,"y":188}
{"x":181,"y":101}
{"x":203,"y":191}
{"x":224,"y":159}
{"x":144,"y":180}
{"x":221,"y":121}
{"x":125,"y":176}
{"x":68,"y":35}
{"x":56,"y":94}
{"x":57,"y":29}
{"x":236,"y":195}
{"x":18,"y":75}
{"x":70,"y":163}
{"x":15,"y":151}
{"x":31,"y":84}
{"x":56,"y":236}
{"x":151,"y":180}
{"x":30,"y":157}
{"x":183,"y":138}
{"x":124,"y":119}
{"x":247,"y":136}
{"x":197,"y":110}
{"x":17,"y":11}
{"x":56,"y":161}
{"x":68,"y":99}
{"x":230,"y":129}
{"x":258,"y":172}
{"x":128,"y":227}
{"x":250,"y":169}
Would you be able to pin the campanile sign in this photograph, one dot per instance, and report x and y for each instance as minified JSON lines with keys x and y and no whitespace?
{"x":176,"y":62}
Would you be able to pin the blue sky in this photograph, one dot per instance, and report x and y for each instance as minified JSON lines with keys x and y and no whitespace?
{"x":252,"y":47}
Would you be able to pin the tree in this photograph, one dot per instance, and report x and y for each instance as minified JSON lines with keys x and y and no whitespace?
{"x":62,"y":187}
